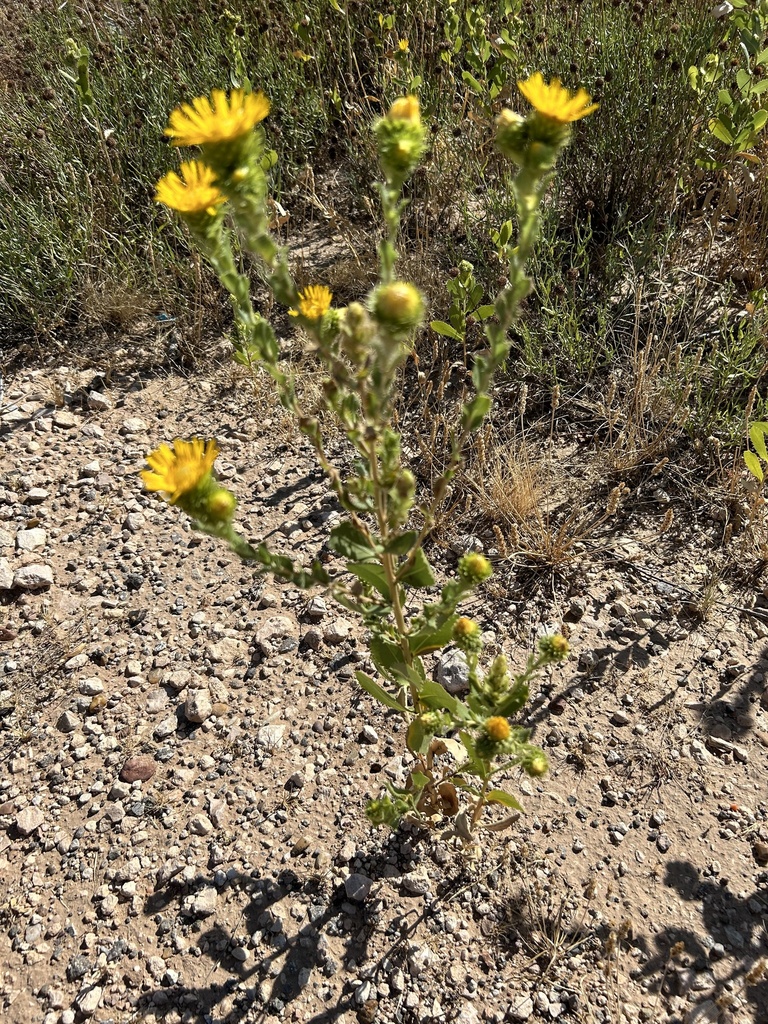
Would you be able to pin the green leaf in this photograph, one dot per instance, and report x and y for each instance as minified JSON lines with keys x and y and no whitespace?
{"x":441,"y":327}
{"x":401,"y":545}
{"x":498,"y":796}
{"x":475,"y":411}
{"x":753,"y":465}
{"x":724,"y":98}
{"x":436,"y":696}
{"x":485,"y":312}
{"x":757,"y":433}
{"x":743,"y":79}
{"x":429,"y":639}
{"x":762,"y":57}
{"x":349,"y":542}
{"x":378,"y":693}
{"x":371,"y":574}
{"x":720,"y":132}
{"x":472,"y":82}
{"x":760,"y":117}
{"x":419,"y":573}
{"x":386,"y":656}
{"x":418,"y":738}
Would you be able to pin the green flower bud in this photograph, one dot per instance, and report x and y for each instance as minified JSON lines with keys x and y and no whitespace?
{"x":536,"y":764}
{"x":399,"y":307}
{"x":400,"y":139}
{"x":466,"y":635}
{"x":555,"y":647}
{"x":220,"y":505}
{"x":474,"y":568}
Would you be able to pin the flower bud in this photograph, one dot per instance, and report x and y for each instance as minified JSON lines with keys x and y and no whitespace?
{"x":400,"y":140}
{"x":474,"y":568}
{"x":398,"y":306}
{"x":536,"y":765}
{"x":554,"y":647}
{"x":497,"y":729}
{"x":220,"y":505}
{"x":512,"y":136}
{"x":405,"y":108}
{"x":466,"y":635}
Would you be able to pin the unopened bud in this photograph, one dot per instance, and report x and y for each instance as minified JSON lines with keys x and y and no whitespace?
{"x":474,"y":568}
{"x":398,"y":305}
{"x":220,"y":505}
{"x":555,"y":647}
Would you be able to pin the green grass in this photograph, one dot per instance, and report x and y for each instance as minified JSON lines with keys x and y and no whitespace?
{"x":84,"y":248}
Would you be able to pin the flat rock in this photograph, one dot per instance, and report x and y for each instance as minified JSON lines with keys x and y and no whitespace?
{"x":200,"y":904}
{"x":521,"y":1009}
{"x":29,"y":820}
{"x":6,"y":575}
{"x":133,"y":425}
{"x":33,"y":577}
{"x":358,"y":887}
{"x":31,"y":540}
{"x":138,"y":768}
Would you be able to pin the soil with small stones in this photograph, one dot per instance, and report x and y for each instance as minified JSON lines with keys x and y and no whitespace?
{"x":186,"y":759}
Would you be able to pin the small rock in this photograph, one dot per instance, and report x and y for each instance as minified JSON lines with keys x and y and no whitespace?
{"x":357,"y":887}
{"x":200,"y":904}
{"x":88,"y":1000}
{"x":198,"y":706}
{"x":521,"y":1009}
{"x":453,"y":671}
{"x":270,"y":736}
{"x":316,"y":609}
{"x":33,"y":577}
{"x":337,"y":632}
{"x":201,"y":825}
{"x":98,"y":402}
{"x":704,"y":1013}
{"x":138,"y":768}
{"x":416,"y":883}
{"x":31,"y":540}
{"x":368,"y":735}
{"x":6,"y":575}
{"x":36,"y":495}
{"x":29,"y":820}
{"x":620,"y":718}
{"x":67,"y":722}
{"x":91,"y":686}
{"x":64,"y":418}
{"x":133,"y":425}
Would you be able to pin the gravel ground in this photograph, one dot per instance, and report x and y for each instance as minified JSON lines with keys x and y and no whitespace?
{"x":186,"y":759}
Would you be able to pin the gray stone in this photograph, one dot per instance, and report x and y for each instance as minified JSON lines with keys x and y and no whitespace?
{"x":98,"y":402}
{"x":91,"y":686}
{"x":277,"y":633}
{"x":33,"y":577}
{"x":29,"y":820}
{"x":416,"y":883}
{"x":67,"y":722}
{"x":31,"y":540}
{"x":521,"y":1009}
{"x":6,"y":575}
{"x":201,"y":904}
{"x":133,"y":425}
{"x":453,"y":671}
{"x":201,"y":825}
{"x":227,"y":651}
{"x":705,"y":1013}
{"x":36,"y":495}
{"x":64,"y":418}
{"x":358,"y":887}
{"x":338,"y":631}
{"x":198,"y":706}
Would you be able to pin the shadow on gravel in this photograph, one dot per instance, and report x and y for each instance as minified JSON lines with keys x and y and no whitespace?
{"x":735,"y":928}
{"x":281,"y":966}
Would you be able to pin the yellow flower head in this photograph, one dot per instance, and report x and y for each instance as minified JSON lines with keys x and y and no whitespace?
{"x":406,"y":108}
{"x":194,"y":192}
{"x":498,"y":728}
{"x":179,"y":471}
{"x":402,"y":45}
{"x":554,"y":101}
{"x":218,"y":119}
{"x":314,"y":302}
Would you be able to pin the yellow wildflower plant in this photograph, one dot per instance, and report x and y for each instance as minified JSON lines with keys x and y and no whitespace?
{"x":180,"y":470}
{"x":218,"y":119}
{"x":314,"y":302}
{"x":554,"y":101}
{"x":192,"y":192}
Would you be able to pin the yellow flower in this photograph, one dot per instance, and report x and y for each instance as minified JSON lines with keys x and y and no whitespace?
{"x":555,"y":101}
{"x":314,"y":302}
{"x":498,"y":728}
{"x":180,"y":470}
{"x":406,"y":108}
{"x":402,"y":45}
{"x":218,"y":119}
{"x":194,"y":192}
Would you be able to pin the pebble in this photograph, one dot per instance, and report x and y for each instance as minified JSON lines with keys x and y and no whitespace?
{"x":31,"y":540}
{"x":198,"y":706}
{"x":29,"y":820}
{"x":520,"y":1009}
{"x":453,"y":671}
{"x":358,"y":887}
{"x":138,"y":768}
